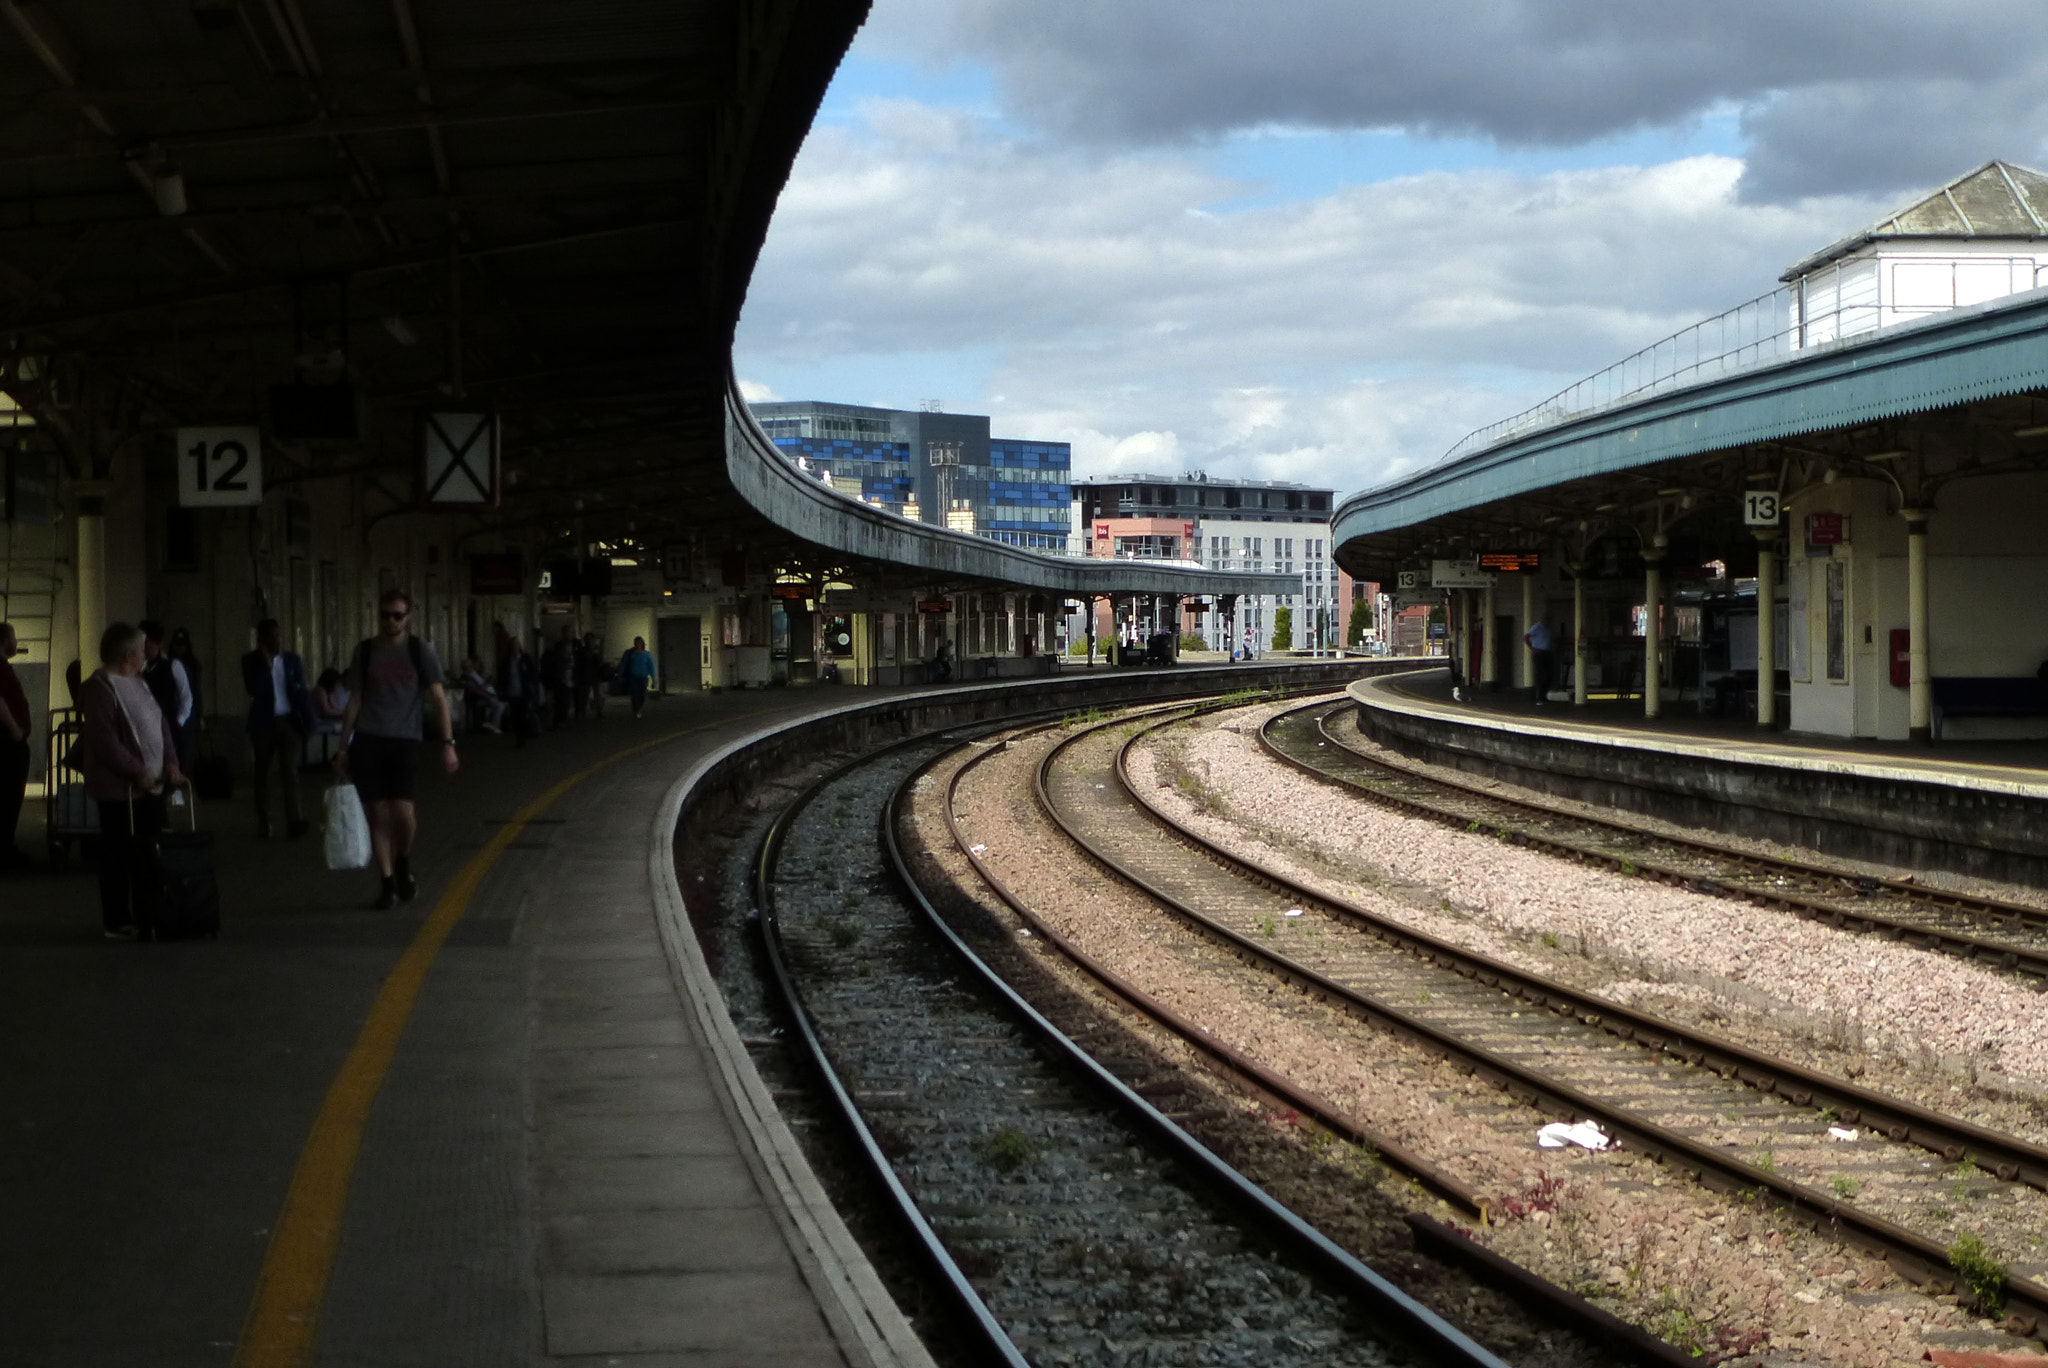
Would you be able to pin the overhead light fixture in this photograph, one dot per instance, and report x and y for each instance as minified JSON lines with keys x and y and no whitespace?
{"x":2032,"y":432}
{"x":1829,"y":478}
{"x":1886,"y":456}
{"x":401,"y":331}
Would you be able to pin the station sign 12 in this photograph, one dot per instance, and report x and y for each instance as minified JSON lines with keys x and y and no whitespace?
{"x":220,"y":467}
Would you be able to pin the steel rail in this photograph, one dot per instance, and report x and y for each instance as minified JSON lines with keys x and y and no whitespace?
{"x":973,"y":1311}
{"x":1910,"y":1253}
{"x":2008,"y":1157}
{"x":1408,"y":1321}
{"x":1999,"y":911}
{"x":1629,"y":1343}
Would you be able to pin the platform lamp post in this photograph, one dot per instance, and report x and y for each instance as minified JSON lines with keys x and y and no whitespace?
{"x":1920,"y":684}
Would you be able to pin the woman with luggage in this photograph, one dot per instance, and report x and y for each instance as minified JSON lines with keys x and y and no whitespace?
{"x":130,"y":760}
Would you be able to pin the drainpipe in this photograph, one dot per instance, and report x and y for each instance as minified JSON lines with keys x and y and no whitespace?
{"x":1578,"y":635}
{"x":92,"y":580}
{"x":1489,"y":645}
{"x":1653,"y":635}
{"x":1920,"y":695}
{"x":1528,"y":621}
{"x":1766,"y":631}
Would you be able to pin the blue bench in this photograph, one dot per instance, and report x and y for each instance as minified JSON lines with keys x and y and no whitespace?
{"x":1984,"y":696}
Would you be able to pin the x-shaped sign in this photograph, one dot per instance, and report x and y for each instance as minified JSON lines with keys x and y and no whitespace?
{"x":475,"y":455}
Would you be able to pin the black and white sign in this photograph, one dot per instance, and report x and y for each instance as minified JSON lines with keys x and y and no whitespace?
{"x":219,"y":467}
{"x":459,"y":459}
{"x":1458,"y":574}
{"x":1408,"y":579}
{"x":1761,"y":508}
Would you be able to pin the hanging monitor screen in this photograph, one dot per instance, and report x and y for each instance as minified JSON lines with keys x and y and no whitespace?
{"x":1511,"y":562}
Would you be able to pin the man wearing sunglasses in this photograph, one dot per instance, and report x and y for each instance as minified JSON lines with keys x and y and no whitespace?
{"x":393,"y":678}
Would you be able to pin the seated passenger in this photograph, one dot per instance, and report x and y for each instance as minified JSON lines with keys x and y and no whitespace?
{"x":481,"y":704}
{"x":330,"y":703}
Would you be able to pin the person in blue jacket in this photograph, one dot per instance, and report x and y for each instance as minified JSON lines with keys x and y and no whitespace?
{"x":636,"y":667}
{"x":280,"y":717}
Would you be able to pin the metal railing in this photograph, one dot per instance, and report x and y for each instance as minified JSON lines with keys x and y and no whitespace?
{"x":1842,"y":304}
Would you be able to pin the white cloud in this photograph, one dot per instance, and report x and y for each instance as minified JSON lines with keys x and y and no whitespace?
{"x":1835,"y":95}
{"x":754,"y":392}
{"x":1113,"y":298}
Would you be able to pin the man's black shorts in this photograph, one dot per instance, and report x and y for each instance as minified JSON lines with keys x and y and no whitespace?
{"x":385,"y":768}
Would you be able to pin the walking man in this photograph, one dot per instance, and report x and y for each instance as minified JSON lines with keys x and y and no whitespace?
{"x":561,"y":676}
{"x":637,"y":669}
{"x":14,"y":752}
{"x":280,"y":716}
{"x":392,"y":676}
{"x":1538,"y":637}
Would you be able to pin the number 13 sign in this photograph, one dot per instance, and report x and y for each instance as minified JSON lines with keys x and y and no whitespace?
{"x":219,"y":467}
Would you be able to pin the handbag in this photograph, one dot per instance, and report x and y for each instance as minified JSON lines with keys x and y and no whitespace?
{"x":347,"y":837}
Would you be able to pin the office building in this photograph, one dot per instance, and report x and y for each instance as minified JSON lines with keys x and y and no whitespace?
{"x":940,"y":468}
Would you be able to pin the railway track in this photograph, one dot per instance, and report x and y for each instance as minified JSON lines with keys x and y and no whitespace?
{"x":1066,"y":1219}
{"x":2005,"y":935}
{"x":1695,"y":1101}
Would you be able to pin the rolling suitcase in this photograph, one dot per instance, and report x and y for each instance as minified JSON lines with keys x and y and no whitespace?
{"x":188,"y":896}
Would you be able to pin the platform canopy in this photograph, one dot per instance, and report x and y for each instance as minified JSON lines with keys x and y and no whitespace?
{"x":325,"y":219}
{"x":1959,"y":394}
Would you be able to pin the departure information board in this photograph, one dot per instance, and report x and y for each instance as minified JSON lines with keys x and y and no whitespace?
{"x":1510,"y":562}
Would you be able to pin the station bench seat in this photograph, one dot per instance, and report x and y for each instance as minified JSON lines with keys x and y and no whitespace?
{"x":1984,"y":696}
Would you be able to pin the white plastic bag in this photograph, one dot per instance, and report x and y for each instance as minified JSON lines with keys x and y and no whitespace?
{"x":348,"y":829}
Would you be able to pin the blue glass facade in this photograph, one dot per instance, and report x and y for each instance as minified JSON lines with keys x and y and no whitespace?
{"x":883,"y":468}
{"x":1029,"y":492}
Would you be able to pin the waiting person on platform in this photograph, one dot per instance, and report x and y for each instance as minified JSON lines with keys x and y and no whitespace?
{"x":392,"y":678}
{"x":181,"y":651}
{"x":636,"y":667}
{"x":280,"y":720}
{"x":170,"y":687}
{"x":130,"y":758}
{"x":519,"y":687}
{"x":1538,"y":637}
{"x":558,"y":672}
{"x":14,"y":752}
{"x":592,"y":677}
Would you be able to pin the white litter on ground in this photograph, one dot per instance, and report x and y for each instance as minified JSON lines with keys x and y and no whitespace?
{"x":1586,"y":1135}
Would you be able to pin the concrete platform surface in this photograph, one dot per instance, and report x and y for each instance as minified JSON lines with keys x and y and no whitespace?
{"x":2019,"y":768}
{"x":550,"y":1172}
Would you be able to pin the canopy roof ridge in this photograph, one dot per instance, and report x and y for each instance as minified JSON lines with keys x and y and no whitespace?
{"x":1995,"y":199}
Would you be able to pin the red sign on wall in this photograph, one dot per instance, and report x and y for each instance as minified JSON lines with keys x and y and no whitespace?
{"x":1827,"y":529}
{"x":1102,"y":531}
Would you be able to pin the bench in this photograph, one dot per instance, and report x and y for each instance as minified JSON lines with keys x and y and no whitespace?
{"x":1984,"y":696}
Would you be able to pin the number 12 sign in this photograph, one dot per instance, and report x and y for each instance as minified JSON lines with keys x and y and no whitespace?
{"x":219,"y":467}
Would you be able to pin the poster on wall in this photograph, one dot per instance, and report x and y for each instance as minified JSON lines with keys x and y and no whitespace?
{"x":1838,"y":621}
{"x":1800,"y":637}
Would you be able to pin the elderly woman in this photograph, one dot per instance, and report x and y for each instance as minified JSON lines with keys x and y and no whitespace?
{"x":130,"y":757}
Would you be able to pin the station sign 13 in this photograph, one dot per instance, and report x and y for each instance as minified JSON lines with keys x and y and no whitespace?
{"x":219,"y":467}
{"x":1761,"y":508}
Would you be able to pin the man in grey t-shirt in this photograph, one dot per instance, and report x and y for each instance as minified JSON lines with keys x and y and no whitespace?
{"x":393,"y":677}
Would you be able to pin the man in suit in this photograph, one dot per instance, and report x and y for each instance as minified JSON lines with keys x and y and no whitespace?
{"x":280,"y":716}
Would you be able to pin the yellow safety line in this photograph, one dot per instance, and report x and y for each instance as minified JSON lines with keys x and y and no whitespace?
{"x":284,"y":1314}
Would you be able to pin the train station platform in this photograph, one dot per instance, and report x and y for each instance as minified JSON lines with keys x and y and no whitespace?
{"x":509,"y":1123}
{"x":1967,"y":807}
{"x":486,"y":1128}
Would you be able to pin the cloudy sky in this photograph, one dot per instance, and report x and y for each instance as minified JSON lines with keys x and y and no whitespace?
{"x":1319,"y":240}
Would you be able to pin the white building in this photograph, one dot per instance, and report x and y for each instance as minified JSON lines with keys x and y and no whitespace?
{"x":1250,"y":525}
{"x":1982,"y":236}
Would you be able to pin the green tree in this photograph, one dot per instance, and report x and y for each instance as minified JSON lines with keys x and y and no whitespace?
{"x":1283,"y":629}
{"x":1361,"y":619}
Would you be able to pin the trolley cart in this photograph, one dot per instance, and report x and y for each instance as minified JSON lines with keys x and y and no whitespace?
{"x":69,"y":813}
